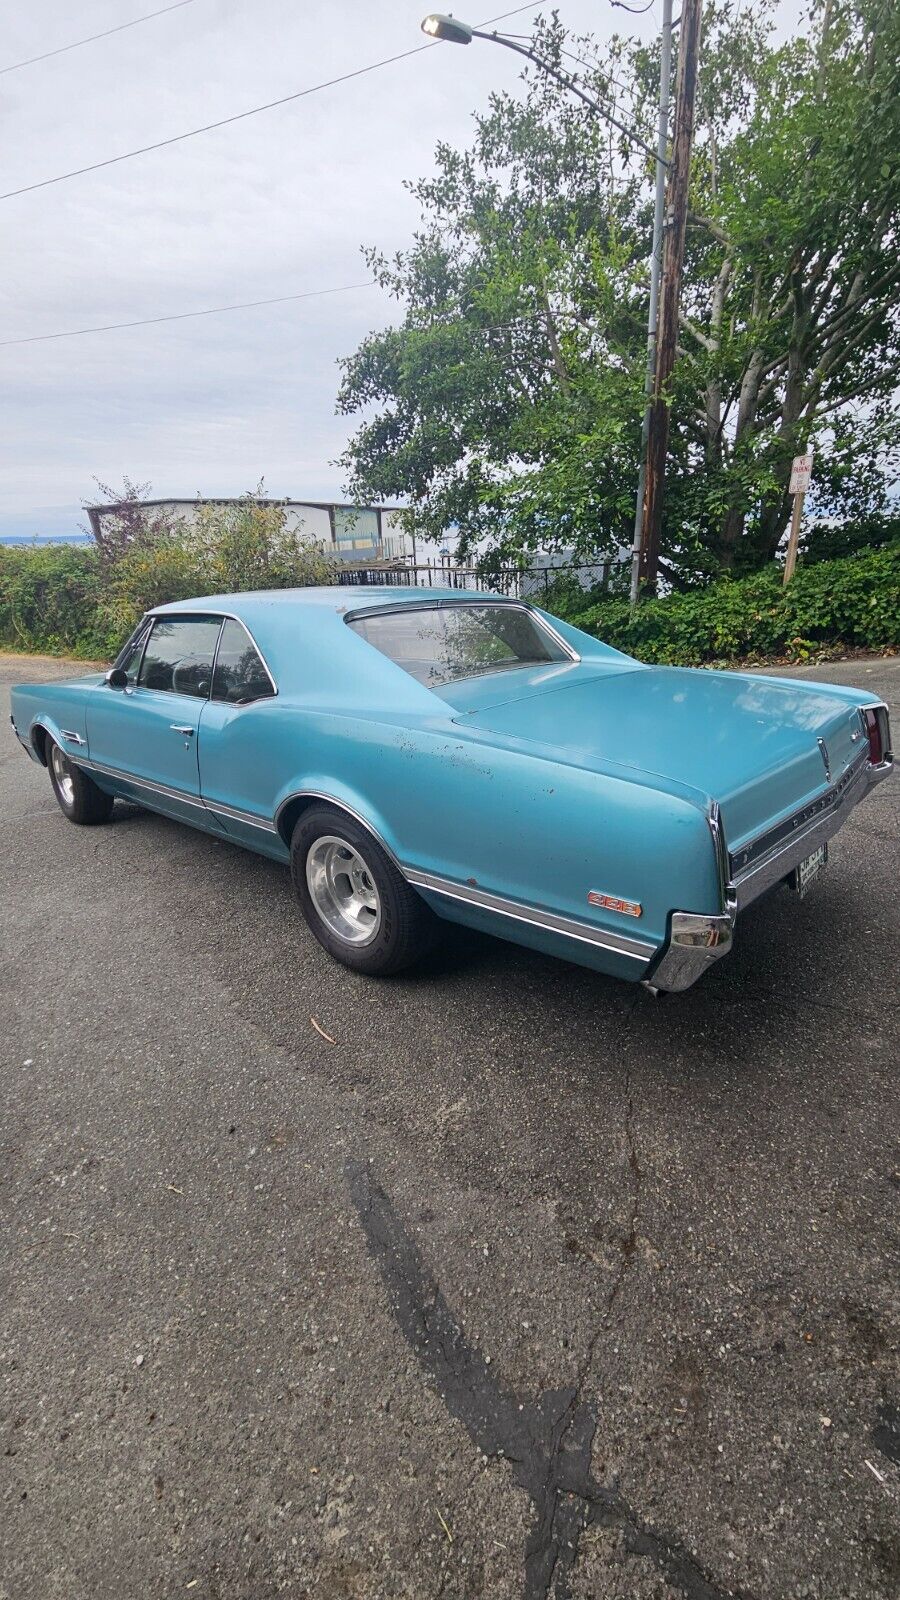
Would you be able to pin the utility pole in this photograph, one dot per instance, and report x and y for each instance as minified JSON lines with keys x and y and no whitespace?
{"x":670,"y":292}
{"x":662,"y":146}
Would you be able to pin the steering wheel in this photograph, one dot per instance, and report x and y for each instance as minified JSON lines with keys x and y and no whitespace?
{"x":189,"y":664}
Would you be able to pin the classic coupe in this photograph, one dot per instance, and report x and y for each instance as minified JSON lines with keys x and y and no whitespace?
{"x":418,"y":754}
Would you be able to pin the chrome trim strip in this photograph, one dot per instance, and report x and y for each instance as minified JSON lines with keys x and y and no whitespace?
{"x":73,"y":738}
{"x":548,"y":921}
{"x":164,"y":789}
{"x":200,"y":802}
{"x":568,"y":927}
{"x":720,"y":848}
{"x":239,"y":816}
{"x":745,"y":860}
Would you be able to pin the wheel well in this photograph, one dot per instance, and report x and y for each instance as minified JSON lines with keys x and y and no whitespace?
{"x":291,"y":812}
{"x":293,"y":809}
{"x":39,"y":737}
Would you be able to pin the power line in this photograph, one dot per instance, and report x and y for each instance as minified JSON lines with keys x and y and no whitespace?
{"x":240,"y":116}
{"x":77,"y":43}
{"x":181,"y":316}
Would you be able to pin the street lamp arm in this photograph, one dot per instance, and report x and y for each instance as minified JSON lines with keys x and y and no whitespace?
{"x":573,"y":86}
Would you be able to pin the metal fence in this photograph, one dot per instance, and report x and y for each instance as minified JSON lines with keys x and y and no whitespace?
{"x":519,"y":582}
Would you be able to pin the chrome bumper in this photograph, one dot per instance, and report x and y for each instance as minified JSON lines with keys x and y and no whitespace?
{"x":803,"y":833}
{"x":696,"y":941}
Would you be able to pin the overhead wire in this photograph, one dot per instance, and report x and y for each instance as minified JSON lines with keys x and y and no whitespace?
{"x":91,"y":38}
{"x":240,"y":116}
{"x":182,"y":316}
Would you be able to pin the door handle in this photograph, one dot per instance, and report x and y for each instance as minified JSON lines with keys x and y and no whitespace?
{"x":176,"y":727}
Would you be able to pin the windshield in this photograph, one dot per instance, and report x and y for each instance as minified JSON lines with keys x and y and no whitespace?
{"x":438,"y":645}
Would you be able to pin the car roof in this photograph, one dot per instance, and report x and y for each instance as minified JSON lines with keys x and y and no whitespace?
{"x":307,"y":649}
{"x":338,"y":597}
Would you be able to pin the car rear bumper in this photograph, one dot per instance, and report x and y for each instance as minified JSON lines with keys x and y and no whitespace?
{"x":772,"y":857}
{"x":696,"y":941}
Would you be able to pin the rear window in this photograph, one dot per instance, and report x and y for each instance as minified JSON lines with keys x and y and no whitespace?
{"x":441,"y":644}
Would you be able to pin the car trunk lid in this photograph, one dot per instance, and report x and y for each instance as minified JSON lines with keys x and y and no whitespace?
{"x":760,"y":747}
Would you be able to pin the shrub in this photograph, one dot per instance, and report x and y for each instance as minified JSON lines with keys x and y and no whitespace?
{"x":83,"y":601}
{"x":854,"y":602}
{"x":49,"y":600}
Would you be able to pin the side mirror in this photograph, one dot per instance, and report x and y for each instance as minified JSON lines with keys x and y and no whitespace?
{"x":117,"y":678}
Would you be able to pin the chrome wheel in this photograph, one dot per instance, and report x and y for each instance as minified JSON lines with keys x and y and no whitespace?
{"x":343,"y":890}
{"x":62,"y":772}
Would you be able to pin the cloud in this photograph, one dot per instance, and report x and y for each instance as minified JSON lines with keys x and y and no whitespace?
{"x":273,"y":205}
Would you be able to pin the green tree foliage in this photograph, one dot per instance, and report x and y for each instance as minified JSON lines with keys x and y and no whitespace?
{"x":85,"y":601}
{"x":508,"y":400}
{"x":852,"y":602}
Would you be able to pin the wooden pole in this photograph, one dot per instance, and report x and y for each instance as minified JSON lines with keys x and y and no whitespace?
{"x":670,"y":290}
{"x":791,"y":558}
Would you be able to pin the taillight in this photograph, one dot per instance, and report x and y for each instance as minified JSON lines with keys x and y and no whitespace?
{"x":875,"y":723}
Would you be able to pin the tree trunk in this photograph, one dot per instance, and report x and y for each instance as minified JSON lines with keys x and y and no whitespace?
{"x":776,"y":508}
{"x":733,"y":526}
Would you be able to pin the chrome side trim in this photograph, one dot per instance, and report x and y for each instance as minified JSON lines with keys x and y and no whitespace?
{"x":534,"y":916}
{"x":73,"y":738}
{"x":548,"y":921}
{"x":163,"y":789}
{"x":198,"y":802}
{"x":720,"y":849}
{"x":240,"y":816}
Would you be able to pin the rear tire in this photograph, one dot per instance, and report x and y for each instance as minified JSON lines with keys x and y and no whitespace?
{"x":78,"y":796}
{"x":356,"y":903}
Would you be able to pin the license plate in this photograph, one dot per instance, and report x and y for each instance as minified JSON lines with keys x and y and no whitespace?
{"x":806,"y":872}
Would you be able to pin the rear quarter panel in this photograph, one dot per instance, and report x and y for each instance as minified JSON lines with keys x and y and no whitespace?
{"x":503,"y":819}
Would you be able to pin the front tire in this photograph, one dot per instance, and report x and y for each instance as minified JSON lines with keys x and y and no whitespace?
{"x":78,"y":797}
{"x":356,"y":903}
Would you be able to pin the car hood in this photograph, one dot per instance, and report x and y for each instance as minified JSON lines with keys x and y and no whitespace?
{"x":750,"y":743}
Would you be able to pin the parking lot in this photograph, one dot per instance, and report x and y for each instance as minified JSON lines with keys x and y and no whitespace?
{"x":502,"y":1279}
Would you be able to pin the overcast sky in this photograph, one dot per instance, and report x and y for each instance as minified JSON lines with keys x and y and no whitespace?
{"x":274,"y":205}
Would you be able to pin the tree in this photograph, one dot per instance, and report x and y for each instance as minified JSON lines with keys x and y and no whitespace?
{"x":508,"y":400}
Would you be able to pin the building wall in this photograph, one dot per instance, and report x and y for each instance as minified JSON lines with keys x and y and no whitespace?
{"x":352,"y":533}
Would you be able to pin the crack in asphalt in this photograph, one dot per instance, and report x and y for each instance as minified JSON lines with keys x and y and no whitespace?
{"x":628,"y":1241}
{"x":547,"y":1440}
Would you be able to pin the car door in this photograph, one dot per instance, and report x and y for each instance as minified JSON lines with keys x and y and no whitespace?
{"x":145,"y":734}
{"x":238,"y":741}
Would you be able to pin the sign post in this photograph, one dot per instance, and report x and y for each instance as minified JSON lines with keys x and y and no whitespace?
{"x":801,"y":471}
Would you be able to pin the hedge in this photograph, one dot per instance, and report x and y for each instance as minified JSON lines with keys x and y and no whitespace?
{"x":853,"y":602}
{"x":77,"y":600}
{"x":59,"y":599}
{"x":51,"y":601}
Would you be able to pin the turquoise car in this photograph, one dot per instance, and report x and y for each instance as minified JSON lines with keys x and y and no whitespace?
{"x":427,"y":754}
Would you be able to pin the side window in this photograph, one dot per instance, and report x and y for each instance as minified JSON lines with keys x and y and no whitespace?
{"x":240,"y":674}
{"x":179,"y":655}
{"x":129,"y":657}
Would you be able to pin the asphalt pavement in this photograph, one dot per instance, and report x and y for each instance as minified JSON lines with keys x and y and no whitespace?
{"x":504,"y":1280}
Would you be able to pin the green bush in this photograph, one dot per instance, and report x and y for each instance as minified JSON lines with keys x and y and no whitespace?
{"x":853,"y":602}
{"x":84,"y":601}
{"x":50,"y":600}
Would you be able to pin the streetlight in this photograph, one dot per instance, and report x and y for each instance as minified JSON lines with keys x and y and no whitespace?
{"x":447,"y":28}
{"x":452,"y":31}
{"x":440,"y":26}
